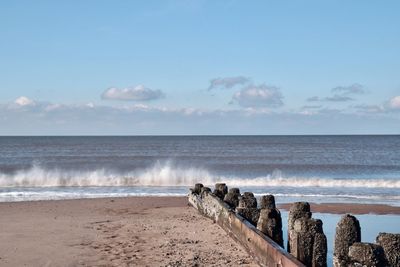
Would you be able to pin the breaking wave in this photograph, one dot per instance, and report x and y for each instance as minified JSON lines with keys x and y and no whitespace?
{"x":170,"y":175}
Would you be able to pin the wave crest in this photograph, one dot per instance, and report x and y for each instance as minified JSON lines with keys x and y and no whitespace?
{"x":169,"y":175}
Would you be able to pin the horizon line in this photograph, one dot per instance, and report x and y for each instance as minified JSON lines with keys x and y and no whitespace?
{"x":197,"y":135}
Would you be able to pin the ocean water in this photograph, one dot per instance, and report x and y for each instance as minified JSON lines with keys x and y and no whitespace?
{"x":363,"y":169}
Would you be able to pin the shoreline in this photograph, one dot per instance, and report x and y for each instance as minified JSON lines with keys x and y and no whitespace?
{"x":324,"y":207}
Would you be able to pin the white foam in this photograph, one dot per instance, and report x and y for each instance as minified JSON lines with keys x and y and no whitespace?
{"x":166,"y":174}
{"x":17,"y":196}
{"x":159,"y":175}
{"x":315,"y":182}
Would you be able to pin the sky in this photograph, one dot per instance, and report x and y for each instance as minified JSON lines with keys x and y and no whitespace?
{"x":199,"y":67}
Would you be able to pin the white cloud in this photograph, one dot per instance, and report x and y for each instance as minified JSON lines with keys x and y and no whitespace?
{"x":90,"y":105}
{"x":141,"y":106}
{"x":351,"y":89}
{"x":334,"y":98}
{"x":52,"y":107}
{"x":394,"y":102}
{"x":259,"y":96}
{"x":341,"y":94}
{"x":137,"y":93}
{"x":338,"y":98}
{"x":311,"y":107}
{"x":228,"y":82}
{"x":370,"y":108}
{"x":307,"y":112}
{"x":24,"y":101}
{"x":388,"y":107}
{"x":314,"y":99}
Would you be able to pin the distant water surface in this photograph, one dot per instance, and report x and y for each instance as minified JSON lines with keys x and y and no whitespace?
{"x":312,"y":168}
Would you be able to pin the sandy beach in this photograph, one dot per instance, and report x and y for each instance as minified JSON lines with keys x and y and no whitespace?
{"x":135,"y":231}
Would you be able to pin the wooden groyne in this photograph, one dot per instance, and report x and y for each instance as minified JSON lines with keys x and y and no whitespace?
{"x":264,"y":250}
{"x":259,"y":229}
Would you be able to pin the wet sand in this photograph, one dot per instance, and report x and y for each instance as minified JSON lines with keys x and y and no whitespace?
{"x":135,"y":231}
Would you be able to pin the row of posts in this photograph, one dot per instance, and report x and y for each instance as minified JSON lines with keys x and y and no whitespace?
{"x":306,"y":238}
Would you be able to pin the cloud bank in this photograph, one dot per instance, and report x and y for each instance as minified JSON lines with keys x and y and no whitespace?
{"x":46,"y":118}
{"x":137,"y":93}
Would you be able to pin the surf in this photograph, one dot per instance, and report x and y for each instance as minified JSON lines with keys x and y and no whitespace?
{"x":169,"y":174}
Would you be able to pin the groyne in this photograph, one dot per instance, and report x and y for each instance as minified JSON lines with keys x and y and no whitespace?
{"x":258,"y":227}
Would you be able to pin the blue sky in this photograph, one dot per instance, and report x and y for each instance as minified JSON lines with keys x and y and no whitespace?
{"x":199,"y":67}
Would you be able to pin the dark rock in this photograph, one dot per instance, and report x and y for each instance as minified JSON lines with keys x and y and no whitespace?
{"x":366,"y":254}
{"x":267,"y":202}
{"x":348,"y":232}
{"x":270,"y":223}
{"x":391,"y":246}
{"x":297,"y":210}
{"x":197,"y":188}
{"x":220,"y":190}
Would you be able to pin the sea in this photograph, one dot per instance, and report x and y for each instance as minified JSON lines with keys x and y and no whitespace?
{"x":352,"y":169}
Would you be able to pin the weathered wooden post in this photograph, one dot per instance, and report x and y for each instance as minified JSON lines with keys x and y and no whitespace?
{"x":270,"y":220}
{"x":306,"y":238}
{"x":348,"y":231}
{"x":391,"y":245}
{"x":197,"y":188}
{"x":297,"y":210}
{"x":267,"y":202}
{"x":247,"y":208}
{"x":232,"y":198}
{"x":366,"y":254}
{"x":309,"y":244}
{"x":220,"y":190}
